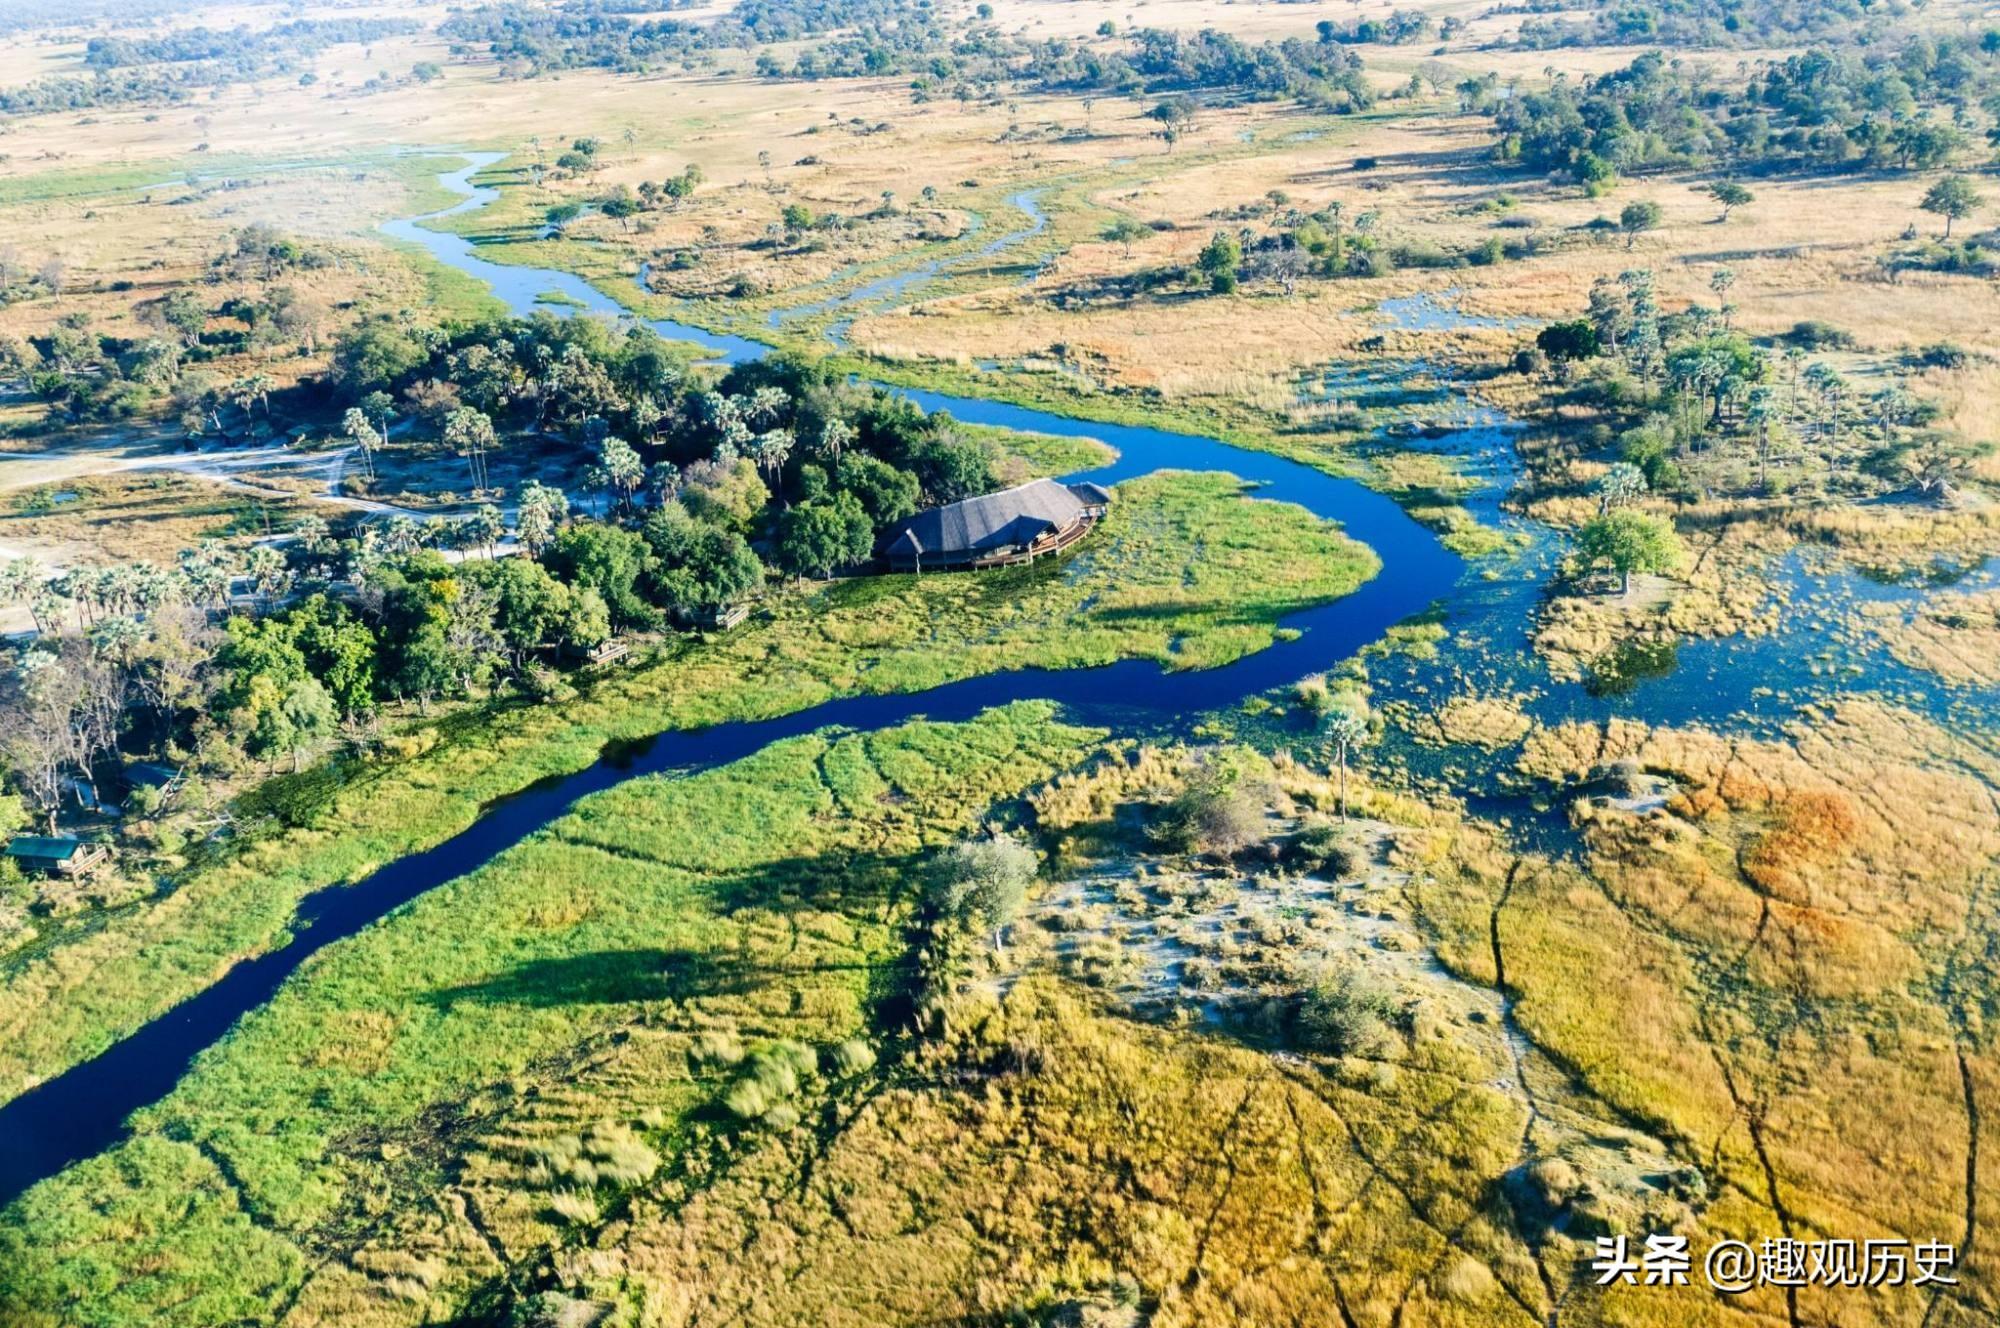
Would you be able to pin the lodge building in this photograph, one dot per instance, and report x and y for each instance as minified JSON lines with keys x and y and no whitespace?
{"x":1016,"y":525}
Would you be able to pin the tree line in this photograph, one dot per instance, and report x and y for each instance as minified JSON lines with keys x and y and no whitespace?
{"x":133,"y":71}
{"x":1834,"y":110}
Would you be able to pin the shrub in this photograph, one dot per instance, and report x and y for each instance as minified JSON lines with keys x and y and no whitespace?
{"x":852,"y":1057}
{"x":1813,"y":334}
{"x":575,"y":1207}
{"x":1324,"y":847}
{"x":1943,"y":355}
{"x":620,"y":1156}
{"x":717,"y":1047}
{"x":1345,"y":1011}
{"x":770,"y":1077}
{"x":1214,"y":814}
{"x":1313,"y":696}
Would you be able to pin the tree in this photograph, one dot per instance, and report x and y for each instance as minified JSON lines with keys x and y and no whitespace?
{"x":980,"y":885}
{"x":470,"y":433}
{"x":309,"y":718}
{"x":484,"y":528}
{"x":1630,"y":541}
{"x":1346,"y":727}
{"x":1641,"y":215}
{"x":621,"y":470}
{"x":542,"y":512}
{"x":179,"y":311}
{"x":770,"y":450}
{"x":621,"y":207}
{"x":530,"y":607}
{"x":610,"y":561}
{"x":269,"y":574}
{"x":1175,"y":117}
{"x":1952,"y":198}
{"x":886,"y":493}
{"x":698,"y":566}
{"x":339,"y":649}
{"x":1125,"y":231}
{"x":377,"y":356}
{"x":1731,"y":196}
{"x":816,"y":537}
{"x":1220,"y":258}
{"x":729,"y":493}
{"x":35,"y":730}
{"x":1621,"y":484}
{"x":1568,"y":342}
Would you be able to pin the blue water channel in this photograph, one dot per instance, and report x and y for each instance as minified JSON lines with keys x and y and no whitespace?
{"x":82,"y":1111}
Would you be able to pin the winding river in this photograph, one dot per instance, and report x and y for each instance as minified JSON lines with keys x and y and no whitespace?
{"x":81,"y":1112}
{"x":1747,"y":684}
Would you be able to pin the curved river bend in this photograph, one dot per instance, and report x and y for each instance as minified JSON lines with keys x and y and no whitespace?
{"x":81,"y":1112}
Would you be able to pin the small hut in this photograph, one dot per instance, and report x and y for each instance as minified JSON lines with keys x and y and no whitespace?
{"x":58,"y":855}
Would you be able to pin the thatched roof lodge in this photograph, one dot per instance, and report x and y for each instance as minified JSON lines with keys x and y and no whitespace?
{"x":1016,"y":525}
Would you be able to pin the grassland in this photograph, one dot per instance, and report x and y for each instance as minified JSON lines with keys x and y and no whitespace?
{"x":755,"y":903}
{"x":1720,"y":982}
{"x":1185,"y":571}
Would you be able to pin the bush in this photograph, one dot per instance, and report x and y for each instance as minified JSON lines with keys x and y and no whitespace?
{"x":771,"y":1076}
{"x":1943,"y":355}
{"x":716,"y":1046}
{"x":1813,"y":334}
{"x":1216,"y":814}
{"x":574,"y":1206}
{"x":1323,"y":847}
{"x":1345,"y":1011}
{"x":852,"y":1057}
{"x":1422,"y":254}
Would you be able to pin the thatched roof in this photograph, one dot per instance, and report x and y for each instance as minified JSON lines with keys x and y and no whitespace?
{"x":994,"y":520}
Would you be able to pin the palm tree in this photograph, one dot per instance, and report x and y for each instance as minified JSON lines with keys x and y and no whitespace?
{"x":470,"y":432}
{"x":766,"y":406}
{"x":770,"y":451}
{"x":359,"y":430}
{"x":835,"y":436}
{"x":622,"y":470}
{"x":268,"y":572}
{"x":402,"y":536}
{"x":485,"y":527}
{"x":1346,"y":728}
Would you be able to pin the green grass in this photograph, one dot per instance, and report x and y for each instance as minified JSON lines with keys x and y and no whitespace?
{"x":1184,"y":571}
{"x":764,"y":896}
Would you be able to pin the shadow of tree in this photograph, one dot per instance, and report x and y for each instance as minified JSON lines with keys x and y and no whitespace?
{"x":607,"y":977}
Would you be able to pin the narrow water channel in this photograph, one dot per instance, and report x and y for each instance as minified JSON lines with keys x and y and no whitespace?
{"x":81,"y":1112}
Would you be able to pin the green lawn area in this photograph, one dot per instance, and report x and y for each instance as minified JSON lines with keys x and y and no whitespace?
{"x":1185,"y":571}
{"x":758,"y":901}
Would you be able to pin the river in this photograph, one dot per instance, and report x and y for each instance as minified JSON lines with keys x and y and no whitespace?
{"x":81,"y":1112}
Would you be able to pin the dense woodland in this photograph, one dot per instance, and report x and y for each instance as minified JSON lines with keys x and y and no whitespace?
{"x":176,"y":65}
{"x":1689,"y":23}
{"x":1825,"y":109}
{"x":695,"y":492}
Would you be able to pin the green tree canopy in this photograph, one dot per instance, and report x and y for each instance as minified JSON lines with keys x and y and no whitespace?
{"x":1628,"y":541}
